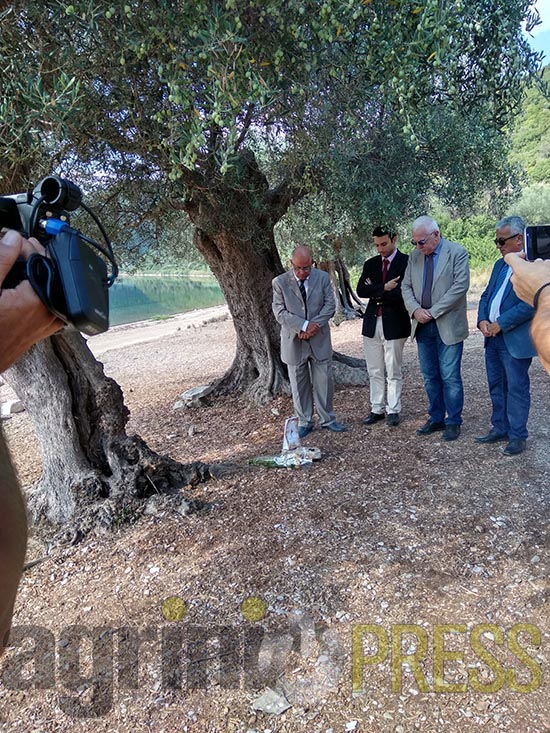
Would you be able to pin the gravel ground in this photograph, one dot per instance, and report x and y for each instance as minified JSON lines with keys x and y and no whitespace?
{"x":313,"y":583}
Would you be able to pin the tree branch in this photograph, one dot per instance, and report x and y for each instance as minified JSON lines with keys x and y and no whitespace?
{"x":290,"y":190}
{"x":246,"y":125}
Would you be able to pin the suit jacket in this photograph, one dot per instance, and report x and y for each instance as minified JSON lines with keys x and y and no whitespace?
{"x":515,"y":316}
{"x":289,"y":310}
{"x":450,"y":285}
{"x":395,"y":319}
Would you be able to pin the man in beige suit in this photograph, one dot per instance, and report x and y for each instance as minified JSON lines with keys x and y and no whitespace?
{"x":303,"y":304}
{"x":434,"y":292}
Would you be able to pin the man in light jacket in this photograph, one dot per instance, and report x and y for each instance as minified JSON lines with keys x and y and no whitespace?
{"x":434,"y":292}
{"x":303,"y":304}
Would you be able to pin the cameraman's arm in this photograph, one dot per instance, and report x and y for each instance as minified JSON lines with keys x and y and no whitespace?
{"x":528,"y":279}
{"x":540,"y":328}
{"x":24,"y":319}
{"x":13,"y":541}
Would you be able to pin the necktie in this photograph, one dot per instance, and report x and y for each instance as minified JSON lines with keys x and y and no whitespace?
{"x":426,"y":301}
{"x":304,"y":294}
{"x":385,"y":265}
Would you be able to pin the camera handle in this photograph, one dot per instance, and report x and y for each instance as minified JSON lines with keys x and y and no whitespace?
{"x":41,"y":274}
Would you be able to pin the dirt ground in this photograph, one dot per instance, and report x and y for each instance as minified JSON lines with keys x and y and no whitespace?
{"x":399,"y":584}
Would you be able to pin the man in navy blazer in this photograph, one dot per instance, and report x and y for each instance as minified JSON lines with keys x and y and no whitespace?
{"x":505,"y":320}
{"x":386,"y":325}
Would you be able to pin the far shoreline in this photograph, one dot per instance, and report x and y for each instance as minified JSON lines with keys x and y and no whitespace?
{"x":139,"y":332}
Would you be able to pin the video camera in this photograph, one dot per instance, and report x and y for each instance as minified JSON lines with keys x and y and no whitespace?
{"x":72,"y":280}
{"x":537,"y":242}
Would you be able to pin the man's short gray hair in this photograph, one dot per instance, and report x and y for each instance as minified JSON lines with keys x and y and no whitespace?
{"x":516,"y":224}
{"x":426,"y":222}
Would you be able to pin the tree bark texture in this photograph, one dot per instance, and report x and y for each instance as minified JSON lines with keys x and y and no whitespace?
{"x":234,"y":233}
{"x":234,"y":222}
{"x":93,"y":472}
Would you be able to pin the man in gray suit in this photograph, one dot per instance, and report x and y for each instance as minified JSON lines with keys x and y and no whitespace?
{"x":434,"y":292}
{"x":303,"y":304}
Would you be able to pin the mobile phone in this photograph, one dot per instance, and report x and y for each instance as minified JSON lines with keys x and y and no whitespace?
{"x":537,"y":242}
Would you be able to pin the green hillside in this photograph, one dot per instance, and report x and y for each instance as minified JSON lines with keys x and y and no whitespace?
{"x":531,"y":137}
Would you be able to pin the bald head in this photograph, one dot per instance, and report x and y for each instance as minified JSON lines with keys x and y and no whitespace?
{"x":302,"y":252}
{"x":301,"y":262}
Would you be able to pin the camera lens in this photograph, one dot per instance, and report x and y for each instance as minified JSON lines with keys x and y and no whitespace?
{"x":58,"y":191}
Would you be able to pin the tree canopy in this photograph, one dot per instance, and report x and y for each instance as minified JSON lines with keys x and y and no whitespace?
{"x":231,"y":111}
{"x":382,"y":99}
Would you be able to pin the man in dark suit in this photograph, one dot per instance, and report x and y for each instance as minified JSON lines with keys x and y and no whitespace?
{"x":434,"y":291}
{"x":505,"y":320}
{"x":303,"y":304}
{"x":386,"y":325}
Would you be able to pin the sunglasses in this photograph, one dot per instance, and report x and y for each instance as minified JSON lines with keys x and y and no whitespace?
{"x":502,"y":240}
{"x":421,"y":242}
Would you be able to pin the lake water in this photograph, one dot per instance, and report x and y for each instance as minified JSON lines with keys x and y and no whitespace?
{"x":139,"y":298}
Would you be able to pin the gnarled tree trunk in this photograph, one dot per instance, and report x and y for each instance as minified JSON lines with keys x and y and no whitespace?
{"x":93,"y":472}
{"x":234,"y":232}
{"x":245,"y":276}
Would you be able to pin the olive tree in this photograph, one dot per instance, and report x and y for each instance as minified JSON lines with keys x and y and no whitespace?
{"x":375,"y":102}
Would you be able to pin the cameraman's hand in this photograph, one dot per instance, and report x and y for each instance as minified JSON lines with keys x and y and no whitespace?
{"x":528,"y":276}
{"x":24,"y":319}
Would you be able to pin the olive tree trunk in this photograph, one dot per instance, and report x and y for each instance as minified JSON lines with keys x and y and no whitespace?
{"x":234,"y":231}
{"x":94,"y":474}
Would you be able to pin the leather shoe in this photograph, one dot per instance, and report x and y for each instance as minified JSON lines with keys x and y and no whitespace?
{"x":373,"y":418}
{"x":514,"y":447}
{"x":451,"y":432}
{"x":336,"y":427}
{"x":393,"y":419}
{"x":304,"y":430}
{"x":430,"y":427}
{"x":492,"y":437}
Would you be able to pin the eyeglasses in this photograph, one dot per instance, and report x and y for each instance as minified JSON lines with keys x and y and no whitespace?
{"x":421,"y":242}
{"x":500,"y":241}
{"x":302,"y":269}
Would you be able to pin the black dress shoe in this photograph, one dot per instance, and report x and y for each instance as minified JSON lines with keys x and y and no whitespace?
{"x":393,"y":419}
{"x":492,"y":437}
{"x":451,"y":432}
{"x":514,"y":447}
{"x":304,"y":430}
{"x":373,"y":417}
{"x":430,"y":427}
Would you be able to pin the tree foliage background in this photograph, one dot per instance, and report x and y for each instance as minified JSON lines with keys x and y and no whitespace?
{"x":229,"y":112}
{"x":383,"y":101}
